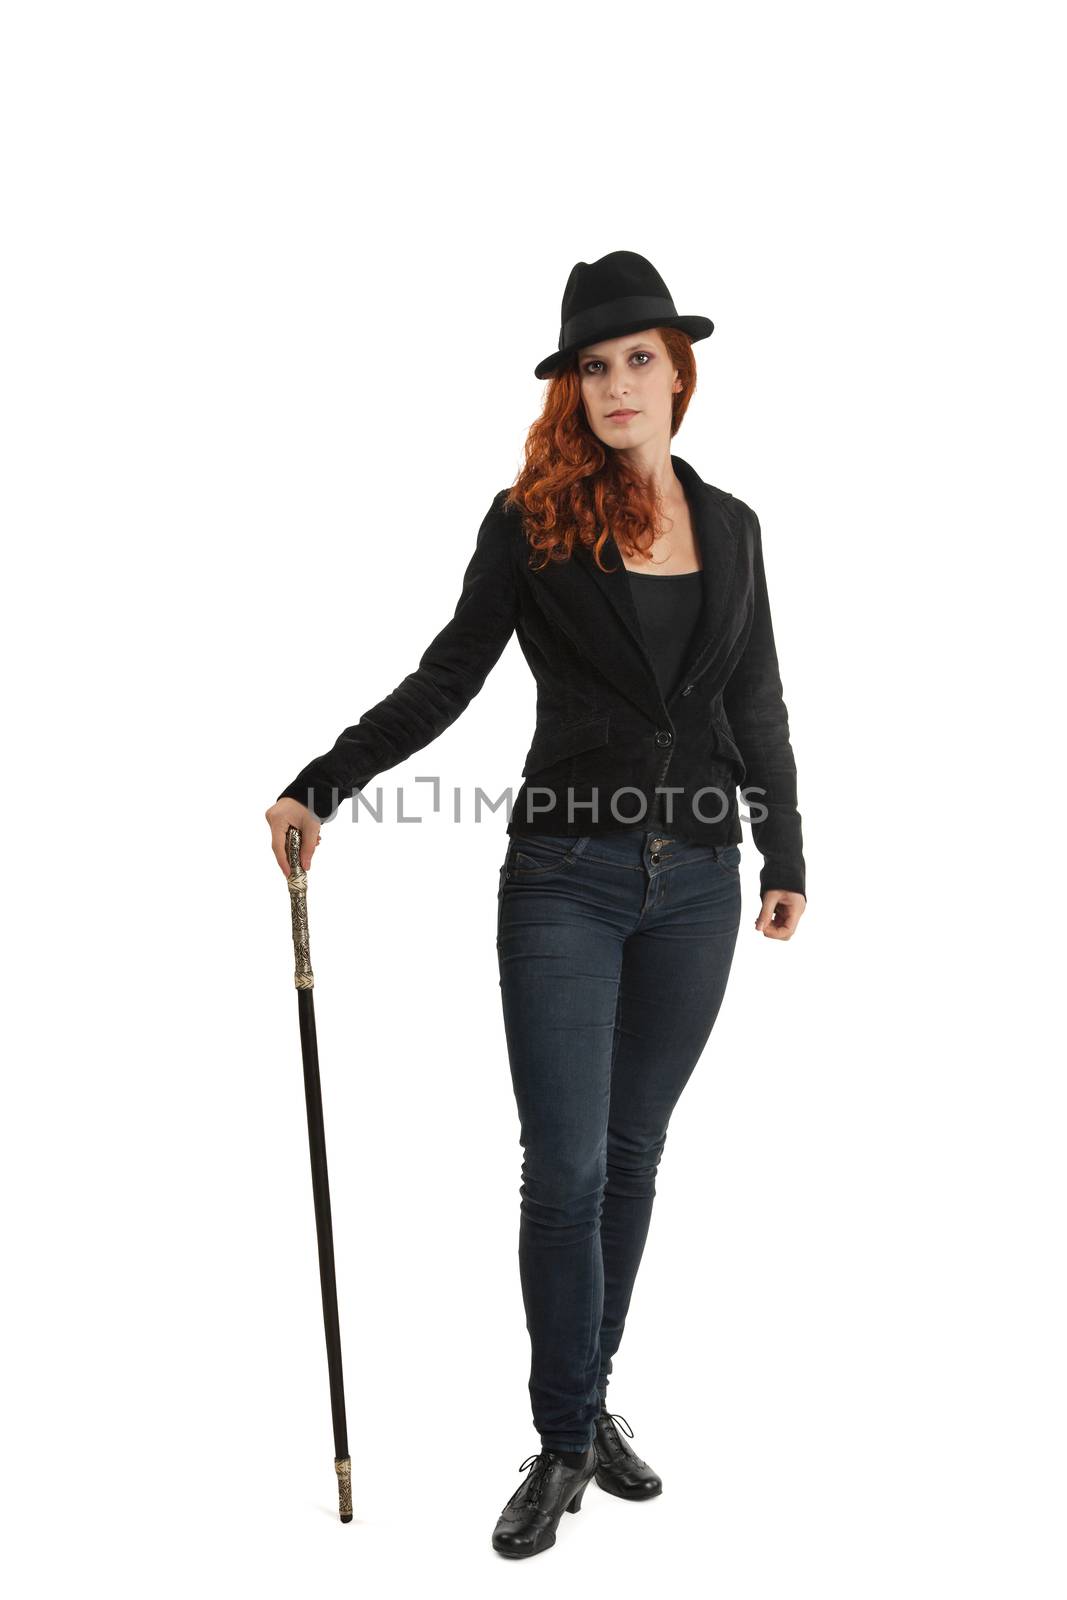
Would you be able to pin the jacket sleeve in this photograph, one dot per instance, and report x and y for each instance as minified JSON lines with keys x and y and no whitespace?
{"x":759,"y":720}
{"x":453,"y":668}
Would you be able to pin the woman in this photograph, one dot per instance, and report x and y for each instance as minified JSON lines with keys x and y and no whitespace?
{"x":619,"y":896}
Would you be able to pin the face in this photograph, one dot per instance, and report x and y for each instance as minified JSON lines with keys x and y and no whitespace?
{"x":631,"y":375}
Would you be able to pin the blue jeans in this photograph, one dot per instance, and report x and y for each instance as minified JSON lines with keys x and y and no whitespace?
{"x":614,"y":952}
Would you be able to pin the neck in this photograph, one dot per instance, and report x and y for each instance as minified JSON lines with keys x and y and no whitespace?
{"x":653,"y":462}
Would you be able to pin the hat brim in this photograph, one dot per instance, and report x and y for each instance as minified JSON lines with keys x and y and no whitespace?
{"x":695,"y":327}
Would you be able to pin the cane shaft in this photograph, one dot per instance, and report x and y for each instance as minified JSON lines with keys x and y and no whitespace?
{"x":320,"y":1185}
{"x":320,"y":1180}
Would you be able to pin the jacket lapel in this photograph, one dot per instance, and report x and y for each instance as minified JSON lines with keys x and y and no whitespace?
{"x":610,"y":628}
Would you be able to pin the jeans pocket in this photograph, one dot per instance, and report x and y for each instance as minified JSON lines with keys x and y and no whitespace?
{"x":500,"y":894}
{"x":728,"y":856}
{"x":534,"y":855}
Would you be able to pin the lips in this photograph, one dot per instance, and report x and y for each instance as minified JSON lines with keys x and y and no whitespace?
{"x":620,"y":416}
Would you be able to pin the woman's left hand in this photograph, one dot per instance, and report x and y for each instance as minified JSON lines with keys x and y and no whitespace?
{"x":782,"y":910}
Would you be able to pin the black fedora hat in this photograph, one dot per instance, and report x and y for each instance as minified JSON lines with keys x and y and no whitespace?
{"x":620,"y":293}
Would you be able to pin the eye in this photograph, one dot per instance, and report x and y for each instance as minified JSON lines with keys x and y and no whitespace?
{"x":646,"y":357}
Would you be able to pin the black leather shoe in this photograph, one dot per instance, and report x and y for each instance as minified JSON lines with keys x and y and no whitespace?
{"x":618,"y":1469}
{"x":528,"y":1522}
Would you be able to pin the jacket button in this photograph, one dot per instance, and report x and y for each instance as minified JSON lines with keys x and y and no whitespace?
{"x":664,"y":736}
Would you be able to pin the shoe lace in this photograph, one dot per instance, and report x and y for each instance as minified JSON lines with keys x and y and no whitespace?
{"x":531,"y":1490}
{"x":617,"y":1416}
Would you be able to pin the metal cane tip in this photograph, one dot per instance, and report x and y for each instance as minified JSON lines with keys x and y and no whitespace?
{"x":343,"y":1468}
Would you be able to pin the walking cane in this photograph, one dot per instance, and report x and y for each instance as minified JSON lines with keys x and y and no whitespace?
{"x":320,"y":1181}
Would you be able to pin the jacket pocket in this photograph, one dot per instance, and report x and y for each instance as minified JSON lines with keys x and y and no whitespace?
{"x":551,"y":745}
{"x":727,"y":750}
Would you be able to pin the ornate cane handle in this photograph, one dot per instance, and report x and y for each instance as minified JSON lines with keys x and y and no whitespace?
{"x":298,"y":883}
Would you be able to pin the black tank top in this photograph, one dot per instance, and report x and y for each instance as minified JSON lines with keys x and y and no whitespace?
{"x":668,"y":606}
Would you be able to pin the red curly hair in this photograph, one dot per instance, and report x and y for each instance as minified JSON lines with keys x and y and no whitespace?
{"x":574,"y":487}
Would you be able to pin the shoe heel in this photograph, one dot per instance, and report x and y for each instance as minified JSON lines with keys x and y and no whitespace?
{"x":576,"y":1503}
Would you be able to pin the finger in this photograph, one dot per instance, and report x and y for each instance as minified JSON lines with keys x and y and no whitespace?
{"x":785,"y":920}
{"x":277,"y":844}
{"x":309,"y":841}
{"x":766,"y":916}
{"x":769,"y":921}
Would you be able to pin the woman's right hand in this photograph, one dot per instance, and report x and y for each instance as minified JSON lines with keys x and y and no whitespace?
{"x":287,"y":813}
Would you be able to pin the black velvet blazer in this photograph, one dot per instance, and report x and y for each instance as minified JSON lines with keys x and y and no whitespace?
{"x":605,"y":739}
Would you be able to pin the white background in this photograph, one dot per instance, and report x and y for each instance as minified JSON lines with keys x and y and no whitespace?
{"x":276,"y":279}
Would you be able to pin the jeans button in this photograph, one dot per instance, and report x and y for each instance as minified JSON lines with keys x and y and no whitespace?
{"x":654,"y":856}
